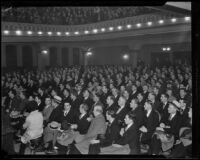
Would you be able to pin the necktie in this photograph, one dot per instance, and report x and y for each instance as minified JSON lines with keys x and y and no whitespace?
{"x":170,"y":117}
{"x":65,"y":113}
{"x":163,"y":106}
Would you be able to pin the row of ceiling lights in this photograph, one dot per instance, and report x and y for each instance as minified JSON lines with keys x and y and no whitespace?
{"x":128,"y":26}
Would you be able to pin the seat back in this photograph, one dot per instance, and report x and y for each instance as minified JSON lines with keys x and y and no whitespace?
{"x":34,"y":143}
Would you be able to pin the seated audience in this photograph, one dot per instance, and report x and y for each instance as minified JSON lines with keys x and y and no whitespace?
{"x":111,"y":135}
{"x":167,"y":132}
{"x":97,"y":126}
{"x":128,"y":143}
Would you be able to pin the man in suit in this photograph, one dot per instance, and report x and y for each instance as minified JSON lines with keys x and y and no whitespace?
{"x":115,"y":95}
{"x":157,"y":93}
{"x":184,"y":109}
{"x":41,"y":104}
{"x":151,"y":121}
{"x":54,"y":117}
{"x":134,"y":92}
{"x":169,"y":126}
{"x":163,"y":109}
{"x":141,"y":99}
{"x":152,"y":98}
{"x":79,"y":127}
{"x":128,"y":143}
{"x":47,"y":110}
{"x":87,"y":99}
{"x":104,"y":95}
{"x":138,"y":111}
{"x":96,"y":100}
{"x":111,"y":135}
{"x":122,"y":110}
{"x":145,"y":91}
{"x":97,"y":126}
{"x":110,"y":104}
{"x":75,"y":103}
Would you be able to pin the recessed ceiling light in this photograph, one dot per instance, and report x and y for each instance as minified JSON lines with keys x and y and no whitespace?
{"x":29,"y":32}
{"x":95,"y":30}
{"x":161,"y":21}
{"x":149,"y":23}
{"x":103,"y":29}
{"x":119,"y":27}
{"x":187,"y":18}
{"x":168,"y":48}
{"x":129,"y":26}
{"x":58,"y":33}
{"x":138,"y":25}
{"x":67,"y":33}
{"x":111,"y":28}
{"x":86,"y":32}
{"x":49,"y":33}
{"x":6,"y":32}
{"x":18,"y":32}
{"x":164,"y":49}
{"x":76,"y":32}
{"x":173,"y":20}
{"x":39,"y":32}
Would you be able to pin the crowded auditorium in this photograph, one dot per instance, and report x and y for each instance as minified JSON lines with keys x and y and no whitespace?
{"x":97,"y":80}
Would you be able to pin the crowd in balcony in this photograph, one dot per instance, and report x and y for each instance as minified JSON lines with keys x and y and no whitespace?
{"x":99,"y":110}
{"x":69,"y":15}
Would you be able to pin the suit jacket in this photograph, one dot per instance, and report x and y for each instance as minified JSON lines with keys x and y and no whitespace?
{"x":97,"y":126}
{"x":184,"y":117}
{"x":112,"y":107}
{"x":150,"y":123}
{"x":139,"y":116}
{"x":83,"y":124}
{"x":56,"y":114}
{"x":130,"y":137}
{"x":103,"y":98}
{"x":89,"y":102}
{"x":75,"y":106}
{"x":47,"y":112}
{"x":121,"y":115}
{"x":145,"y":95}
{"x":70,"y":117}
{"x":175,"y":125}
{"x":14,"y":104}
{"x":156,"y":105}
{"x":111,"y":135}
{"x":133,"y":95}
{"x":163,"y":112}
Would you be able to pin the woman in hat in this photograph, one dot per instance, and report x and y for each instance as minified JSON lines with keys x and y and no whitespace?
{"x":168,"y":131}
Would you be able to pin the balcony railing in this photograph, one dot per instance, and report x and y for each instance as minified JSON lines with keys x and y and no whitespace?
{"x":27,"y":29}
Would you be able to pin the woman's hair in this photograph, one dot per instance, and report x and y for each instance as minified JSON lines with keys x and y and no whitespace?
{"x":32,"y":106}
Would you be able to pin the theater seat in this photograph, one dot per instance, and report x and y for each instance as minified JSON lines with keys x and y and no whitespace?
{"x":144,"y":148}
{"x":35,"y":144}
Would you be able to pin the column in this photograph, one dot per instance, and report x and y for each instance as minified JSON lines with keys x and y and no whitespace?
{"x":19,"y":56}
{"x":35,"y":56}
{"x":70,"y":56}
{"x":135,"y":50}
{"x":171,"y":58}
{"x":3,"y":55}
{"x":59,"y":56}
